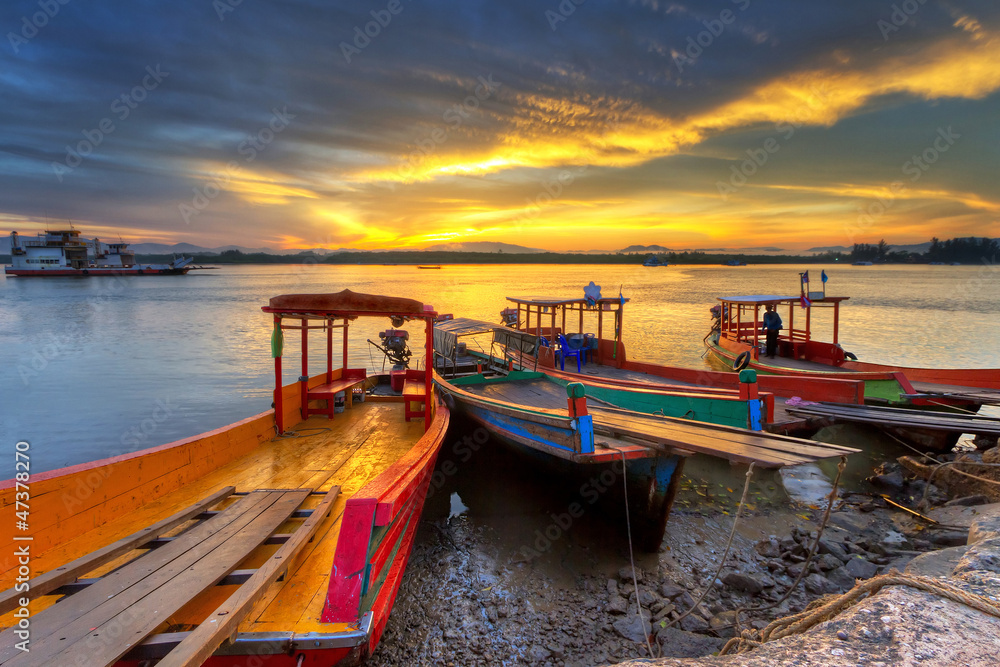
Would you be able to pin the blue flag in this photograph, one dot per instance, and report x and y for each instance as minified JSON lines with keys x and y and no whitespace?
{"x":805,"y":277}
{"x":822,"y":274}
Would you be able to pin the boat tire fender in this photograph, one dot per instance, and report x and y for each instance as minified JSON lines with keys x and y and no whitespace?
{"x":141,"y":272}
{"x":448,"y":400}
{"x":742,"y":361}
{"x":851,"y":356}
{"x":86,"y":272}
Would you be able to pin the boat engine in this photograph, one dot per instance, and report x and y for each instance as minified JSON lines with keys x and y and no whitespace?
{"x":394,"y":346}
{"x":509,"y":317}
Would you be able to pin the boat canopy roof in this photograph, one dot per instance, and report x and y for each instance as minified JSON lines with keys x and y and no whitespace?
{"x":345,"y":304}
{"x":561,"y":301}
{"x":758,"y":299}
{"x":464,"y":326}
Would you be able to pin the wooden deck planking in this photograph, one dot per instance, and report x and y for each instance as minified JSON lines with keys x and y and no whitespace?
{"x":133,"y":601}
{"x":334,"y":455}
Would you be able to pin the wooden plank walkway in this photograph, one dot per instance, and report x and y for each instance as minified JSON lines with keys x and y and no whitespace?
{"x":733,"y":444}
{"x":887,"y":416}
{"x":767,"y":450}
{"x":117,"y":612}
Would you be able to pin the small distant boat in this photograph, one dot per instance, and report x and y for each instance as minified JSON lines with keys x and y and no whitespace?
{"x":434,"y":266}
{"x":63,"y":253}
{"x":281,"y":539}
{"x":734,"y":262}
{"x":653,"y":260}
{"x":862,"y":263}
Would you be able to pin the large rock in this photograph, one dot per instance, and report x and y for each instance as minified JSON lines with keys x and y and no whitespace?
{"x":743,"y":582}
{"x":940,"y":563}
{"x":817,"y":584}
{"x":841,"y":578}
{"x":675,"y":643}
{"x":834,"y":548}
{"x":984,"y":529}
{"x":633,"y":627}
{"x":861,"y":568}
{"x":670,"y":590}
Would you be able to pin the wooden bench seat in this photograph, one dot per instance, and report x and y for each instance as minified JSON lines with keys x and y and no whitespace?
{"x":352,"y":378}
{"x":414,"y":391}
{"x":133,"y":600}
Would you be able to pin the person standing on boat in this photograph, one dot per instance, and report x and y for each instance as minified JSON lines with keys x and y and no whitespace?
{"x":772,"y":325}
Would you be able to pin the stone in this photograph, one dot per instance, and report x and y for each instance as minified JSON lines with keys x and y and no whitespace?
{"x":676,"y":643}
{"x":940,"y":563}
{"x":895,"y":540}
{"x":724,"y":624}
{"x":694,"y":623}
{"x":827,"y":562}
{"x":768,"y":548}
{"x":616,"y":605}
{"x":633,"y":627}
{"x":968,"y":501}
{"x":612,"y":586}
{"x":743,"y":582}
{"x":817,"y":584}
{"x":850,"y":521}
{"x":986,"y":528}
{"x":788,"y":543}
{"x":625,"y":575}
{"x":992,"y":455}
{"x":538,"y":653}
{"x":663,"y":613}
{"x":892,"y":481}
{"x":949,"y":538}
{"x":981,"y":557}
{"x":861,"y":568}
{"x":836,"y":549}
{"x":670,"y":590}
{"x":841,"y":578}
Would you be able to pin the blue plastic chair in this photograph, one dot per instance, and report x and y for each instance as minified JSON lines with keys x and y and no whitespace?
{"x":566,"y":351}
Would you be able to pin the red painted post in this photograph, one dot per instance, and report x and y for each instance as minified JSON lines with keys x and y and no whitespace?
{"x":304,"y":378}
{"x":428,"y":370}
{"x":279,"y":417}
{"x":329,"y":350}
{"x":836,"y":320}
{"x":345,"y":345}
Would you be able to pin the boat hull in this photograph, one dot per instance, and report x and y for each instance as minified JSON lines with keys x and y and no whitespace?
{"x":70,"y":502}
{"x":151,"y":270}
{"x":650,"y":477}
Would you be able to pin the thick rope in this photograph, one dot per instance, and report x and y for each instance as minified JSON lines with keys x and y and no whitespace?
{"x":827,"y":607}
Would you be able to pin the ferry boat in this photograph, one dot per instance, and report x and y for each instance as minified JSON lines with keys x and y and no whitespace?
{"x":279,"y":540}
{"x":64,"y":253}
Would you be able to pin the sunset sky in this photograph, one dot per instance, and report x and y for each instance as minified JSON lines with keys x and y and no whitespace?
{"x":572,"y":125}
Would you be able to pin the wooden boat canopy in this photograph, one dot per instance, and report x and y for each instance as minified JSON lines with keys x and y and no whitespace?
{"x":547,"y":316}
{"x":345,"y":304}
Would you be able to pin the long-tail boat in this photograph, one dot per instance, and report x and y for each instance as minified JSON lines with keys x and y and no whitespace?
{"x":597,"y":431}
{"x":737,"y":337}
{"x":593,"y":325}
{"x":278,"y":540}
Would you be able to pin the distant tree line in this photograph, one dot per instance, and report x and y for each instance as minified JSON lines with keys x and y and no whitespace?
{"x":965,"y":250}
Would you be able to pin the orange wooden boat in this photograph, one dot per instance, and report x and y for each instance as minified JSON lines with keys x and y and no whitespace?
{"x":254,"y":544}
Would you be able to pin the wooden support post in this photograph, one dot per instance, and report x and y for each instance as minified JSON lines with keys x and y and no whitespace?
{"x":345,"y":343}
{"x":576,"y":399}
{"x":748,"y":393}
{"x":836,"y":320}
{"x":279,"y":418}
{"x":428,"y":371}
{"x":329,"y":351}
{"x":304,"y":377}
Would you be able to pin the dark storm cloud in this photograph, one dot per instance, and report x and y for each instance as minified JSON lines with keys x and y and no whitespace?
{"x":72,"y":84}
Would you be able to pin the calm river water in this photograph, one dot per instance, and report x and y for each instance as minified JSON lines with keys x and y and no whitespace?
{"x":101,"y":366}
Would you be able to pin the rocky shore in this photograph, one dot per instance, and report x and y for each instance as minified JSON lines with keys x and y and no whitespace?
{"x":469,"y":597}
